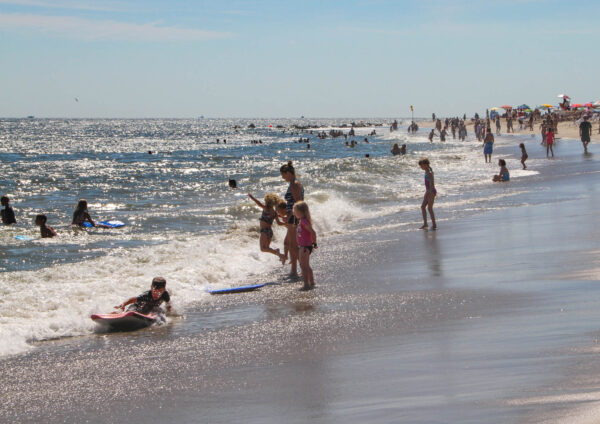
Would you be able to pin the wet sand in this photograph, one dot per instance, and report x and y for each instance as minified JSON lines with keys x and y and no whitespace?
{"x":493,"y":318}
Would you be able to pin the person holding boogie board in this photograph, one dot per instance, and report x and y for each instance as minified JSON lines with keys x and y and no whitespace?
{"x":150,"y":300}
{"x":81,"y":214}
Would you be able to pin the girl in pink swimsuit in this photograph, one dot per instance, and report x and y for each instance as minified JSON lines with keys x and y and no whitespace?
{"x":307,"y":240}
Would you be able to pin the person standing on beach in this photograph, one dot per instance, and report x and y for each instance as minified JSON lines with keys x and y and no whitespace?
{"x":498,"y":125}
{"x":431,"y":135}
{"x":294,"y":193}
{"x":585,"y":132}
{"x":430,"y":193}
{"x":523,"y":155}
{"x":549,"y":140}
{"x":488,"y":145}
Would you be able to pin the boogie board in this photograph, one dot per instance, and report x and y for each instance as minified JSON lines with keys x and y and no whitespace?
{"x":125,"y":321}
{"x":105,"y":224}
{"x":24,"y":238}
{"x":236,"y":289}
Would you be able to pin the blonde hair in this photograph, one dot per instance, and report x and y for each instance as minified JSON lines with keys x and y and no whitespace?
{"x":302,"y":206}
{"x":271,"y":199}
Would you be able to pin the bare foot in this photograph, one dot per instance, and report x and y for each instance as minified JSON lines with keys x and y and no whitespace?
{"x":434,"y":227}
{"x":423,"y":227}
{"x":282,"y":258}
{"x":305,"y":288}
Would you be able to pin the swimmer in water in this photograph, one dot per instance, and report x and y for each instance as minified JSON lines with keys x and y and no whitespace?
{"x":81,"y":214}
{"x":8,"y":215}
{"x":45,"y":230}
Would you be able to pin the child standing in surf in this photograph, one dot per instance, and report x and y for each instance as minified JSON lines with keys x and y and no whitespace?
{"x":430,"y":193}
{"x":266,"y":223}
{"x":307,"y":240}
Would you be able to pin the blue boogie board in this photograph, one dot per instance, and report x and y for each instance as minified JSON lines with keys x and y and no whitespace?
{"x":22,"y":237}
{"x":236,"y":289}
{"x":105,"y":224}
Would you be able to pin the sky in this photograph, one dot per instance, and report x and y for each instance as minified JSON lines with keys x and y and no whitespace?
{"x":185,"y":59}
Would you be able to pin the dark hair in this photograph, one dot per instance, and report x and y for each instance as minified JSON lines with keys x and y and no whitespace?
{"x":502,"y":162}
{"x":424,"y":161}
{"x":42,"y":218}
{"x":4,"y":199}
{"x":288,"y":167}
{"x":159,"y":282}
{"x":521,"y":145}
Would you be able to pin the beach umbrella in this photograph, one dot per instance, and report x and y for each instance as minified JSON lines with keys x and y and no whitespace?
{"x":588,"y":104}
{"x":563,"y":96}
{"x":527,"y":110}
{"x":495,"y":108}
{"x":576,"y":105}
{"x":507,"y":107}
{"x":597,"y":103}
{"x":523,"y":106}
{"x":544,"y":106}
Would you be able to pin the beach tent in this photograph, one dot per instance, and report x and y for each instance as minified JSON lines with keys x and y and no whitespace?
{"x":523,"y":106}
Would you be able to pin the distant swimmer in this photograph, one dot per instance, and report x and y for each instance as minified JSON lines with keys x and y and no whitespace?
{"x":395,"y":149}
{"x":403,"y":149}
{"x":523,"y":155}
{"x":232,"y":183}
{"x":503,"y":176}
{"x":45,"y":230}
{"x":266,"y":219}
{"x":8,"y":215}
{"x":150,"y":300}
{"x":430,"y":193}
{"x":81,"y":214}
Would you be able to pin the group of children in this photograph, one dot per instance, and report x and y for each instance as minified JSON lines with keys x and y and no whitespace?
{"x":274,"y":209}
{"x":80,"y":217}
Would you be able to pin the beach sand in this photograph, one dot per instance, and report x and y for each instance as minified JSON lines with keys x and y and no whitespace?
{"x":493,"y":318}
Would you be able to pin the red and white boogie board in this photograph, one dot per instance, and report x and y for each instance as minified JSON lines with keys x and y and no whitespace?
{"x":124,"y":321}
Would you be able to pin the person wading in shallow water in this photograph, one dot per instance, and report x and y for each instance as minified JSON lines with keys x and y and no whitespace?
{"x":294,"y":193}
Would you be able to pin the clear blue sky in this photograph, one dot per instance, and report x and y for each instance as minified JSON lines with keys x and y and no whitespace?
{"x":289,"y":58}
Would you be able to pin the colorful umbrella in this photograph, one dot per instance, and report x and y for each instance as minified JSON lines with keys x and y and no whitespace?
{"x":588,"y":104}
{"x":507,"y":107}
{"x":544,"y":106}
{"x":523,"y":106}
{"x":527,"y":110}
{"x":495,"y":108}
{"x":576,"y":105}
{"x":563,"y":96}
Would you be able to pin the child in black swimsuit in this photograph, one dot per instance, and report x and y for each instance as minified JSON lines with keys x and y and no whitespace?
{"x":266,"y":222}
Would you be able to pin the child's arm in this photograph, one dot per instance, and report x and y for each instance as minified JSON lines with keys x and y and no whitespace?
{"x":279,"y":222}
{"x":127,"y":302}
{"x":256,"y":201}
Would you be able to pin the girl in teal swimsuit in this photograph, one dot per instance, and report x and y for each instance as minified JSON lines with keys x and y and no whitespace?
{"x":266,"y":222}
{"x":430,"y":193}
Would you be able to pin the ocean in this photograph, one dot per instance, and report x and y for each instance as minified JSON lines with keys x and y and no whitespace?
{"x":183,"y":222}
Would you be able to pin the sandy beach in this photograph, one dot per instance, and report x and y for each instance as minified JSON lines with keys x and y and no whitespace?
{"x":493,"y":318}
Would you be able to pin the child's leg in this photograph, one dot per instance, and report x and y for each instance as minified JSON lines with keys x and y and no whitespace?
{"x":265,"y":242}
{"x":293,"y":249}
{"x":430,"y":208}
{"x":424,"y":212}
{"x":304,"y":266}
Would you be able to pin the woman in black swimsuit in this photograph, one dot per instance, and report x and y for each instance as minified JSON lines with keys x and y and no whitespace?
{"x":294,"y":193}
{"x":266,"y":222}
